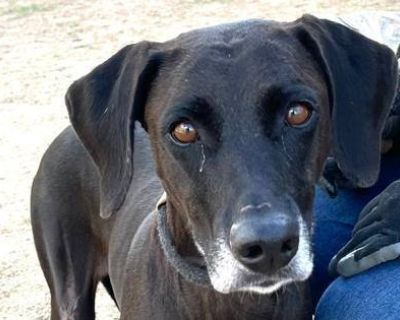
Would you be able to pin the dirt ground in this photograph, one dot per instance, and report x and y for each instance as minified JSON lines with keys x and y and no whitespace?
{"x":44,"y":46}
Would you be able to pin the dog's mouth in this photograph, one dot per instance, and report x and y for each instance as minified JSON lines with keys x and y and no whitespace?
{"x":218,"y":268}
{"x":237,"y":279}
{"x":228,"y":275}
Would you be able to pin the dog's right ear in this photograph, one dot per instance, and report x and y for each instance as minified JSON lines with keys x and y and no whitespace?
{"x":361,"y":77}
{"x":103,"y":107}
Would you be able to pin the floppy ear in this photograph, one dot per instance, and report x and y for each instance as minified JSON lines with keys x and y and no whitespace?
{"x":361,"y":75}
{"x":103,"y":107}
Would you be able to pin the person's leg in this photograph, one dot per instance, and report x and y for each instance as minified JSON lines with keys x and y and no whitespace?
{"x":334,"y":221}
{"x":373,"y":294}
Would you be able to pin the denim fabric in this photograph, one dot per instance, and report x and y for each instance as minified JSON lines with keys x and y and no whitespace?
{"x":361,"y":296}
{"x":373,"y":294}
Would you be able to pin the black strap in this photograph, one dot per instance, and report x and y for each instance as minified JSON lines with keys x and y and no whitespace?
{"x":191,"y":272}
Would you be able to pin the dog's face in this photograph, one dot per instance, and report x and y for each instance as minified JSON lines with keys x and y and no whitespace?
{"x":241,"y":118}
{"x":240,"y":139}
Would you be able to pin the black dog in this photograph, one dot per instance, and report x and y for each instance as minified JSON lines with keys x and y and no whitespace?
{"x":238,"y":120}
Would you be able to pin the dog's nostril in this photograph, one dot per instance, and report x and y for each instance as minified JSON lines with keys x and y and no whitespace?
{"x":252,"y":252}
{"x":289,"y":246}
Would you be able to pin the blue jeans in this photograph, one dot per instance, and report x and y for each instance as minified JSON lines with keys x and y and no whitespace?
{"x":374,"y":294}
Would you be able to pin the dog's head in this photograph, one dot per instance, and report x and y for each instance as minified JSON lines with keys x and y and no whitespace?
{"x":241,"y":119}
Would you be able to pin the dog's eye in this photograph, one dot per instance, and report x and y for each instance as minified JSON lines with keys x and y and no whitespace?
{"x":184,"y":132}
{"x":298,"y":114}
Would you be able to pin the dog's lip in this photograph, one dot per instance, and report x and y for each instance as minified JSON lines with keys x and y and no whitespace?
{"x":261,"y":284}
{"x":265,"y":280}
{"x":269,"y":282}
{"x":260,"y":279}
{"x":198,"y":261}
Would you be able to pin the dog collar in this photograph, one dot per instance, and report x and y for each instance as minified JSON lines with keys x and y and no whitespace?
{"x":189,"y":271}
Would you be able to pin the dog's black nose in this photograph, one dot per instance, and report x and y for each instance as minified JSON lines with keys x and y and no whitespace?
{"x":265,"y":246}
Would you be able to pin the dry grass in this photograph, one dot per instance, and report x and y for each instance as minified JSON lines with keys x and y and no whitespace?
{"x":44,"y":45}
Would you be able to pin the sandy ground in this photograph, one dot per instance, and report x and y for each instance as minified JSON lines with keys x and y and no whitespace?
{"x":44,"y":46}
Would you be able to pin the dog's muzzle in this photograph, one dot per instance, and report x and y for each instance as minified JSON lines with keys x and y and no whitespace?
{"x":226,"y":273}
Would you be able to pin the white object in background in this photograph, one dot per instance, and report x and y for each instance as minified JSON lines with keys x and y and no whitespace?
{"x":381,"y":26}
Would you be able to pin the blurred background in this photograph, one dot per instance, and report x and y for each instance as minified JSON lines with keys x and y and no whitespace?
{"x":44,"y":46}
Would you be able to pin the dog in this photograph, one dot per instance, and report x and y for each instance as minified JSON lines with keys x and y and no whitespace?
{"x":234,"y":124}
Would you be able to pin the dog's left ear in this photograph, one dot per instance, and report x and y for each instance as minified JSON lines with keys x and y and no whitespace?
{"x":361,"y":75}
{"x":103,"y":107}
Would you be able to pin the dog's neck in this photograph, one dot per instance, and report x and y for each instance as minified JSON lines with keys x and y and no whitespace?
{"x":178,"y":246}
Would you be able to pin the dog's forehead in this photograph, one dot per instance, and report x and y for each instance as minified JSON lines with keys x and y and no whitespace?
{"x":253,"y":48}
{"x":228,"y":33}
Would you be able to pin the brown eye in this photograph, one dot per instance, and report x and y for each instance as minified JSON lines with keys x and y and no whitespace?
{"x":184,"y":132}
{"x":298,"y":114}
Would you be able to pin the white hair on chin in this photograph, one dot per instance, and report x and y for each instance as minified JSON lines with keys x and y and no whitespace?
{"x":224,"y":270}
